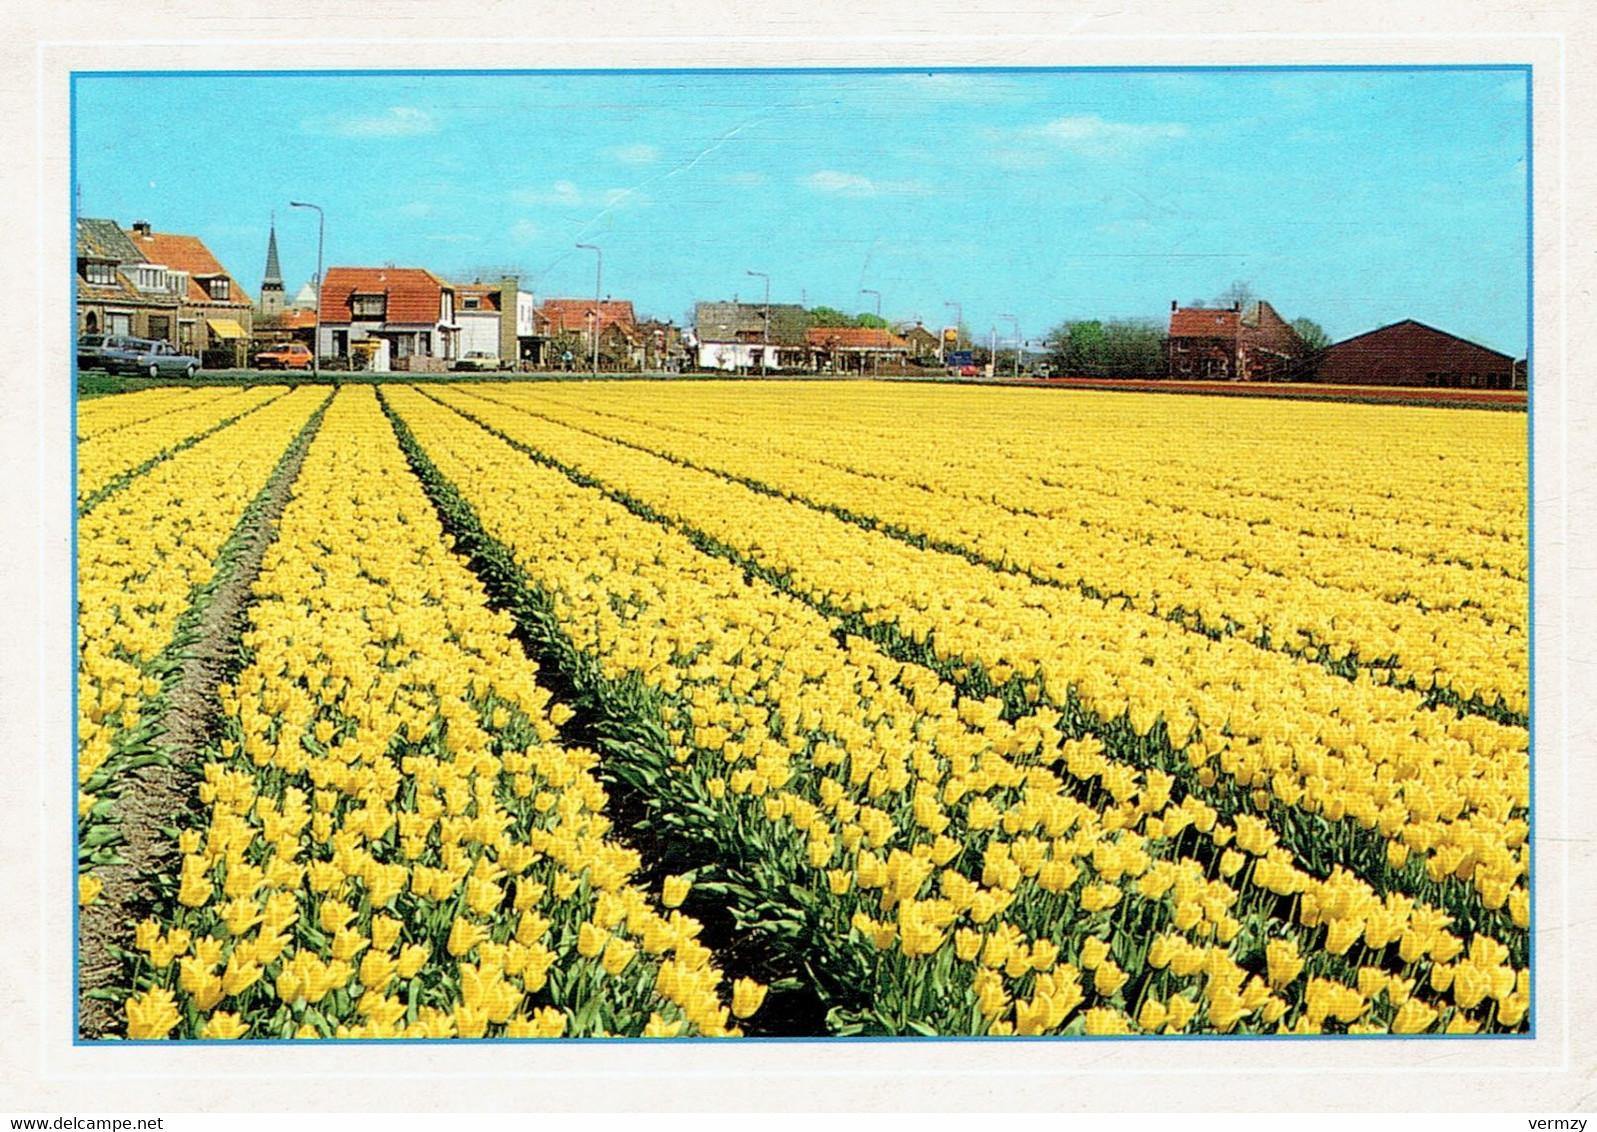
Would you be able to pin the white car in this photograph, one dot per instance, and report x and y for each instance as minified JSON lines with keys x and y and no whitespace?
{"x":477,"y":360}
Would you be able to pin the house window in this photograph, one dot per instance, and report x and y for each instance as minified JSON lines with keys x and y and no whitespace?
{"x":160,"y":327}
{"x":100,"y":274}
{"x":119,"y":322}
{"x":424,"y":344}
{"x":340,"y":343}
{"x":219,"y":289}
{"x":470,"y":302}
{"x":369,"y":306}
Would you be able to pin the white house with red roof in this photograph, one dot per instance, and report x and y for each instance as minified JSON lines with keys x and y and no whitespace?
{"x":389,"y":318}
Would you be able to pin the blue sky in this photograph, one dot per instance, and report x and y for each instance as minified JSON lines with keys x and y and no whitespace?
{"x":1355,"y":198}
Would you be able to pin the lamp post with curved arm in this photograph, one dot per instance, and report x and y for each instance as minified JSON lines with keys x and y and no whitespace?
{"x":321,"y":231}
{"x":765,"y":345}
{"x":598,"y":290}
{"x":876,"y":356}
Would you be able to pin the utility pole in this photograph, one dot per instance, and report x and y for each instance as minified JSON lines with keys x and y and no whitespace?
{"x":1016,"y":321}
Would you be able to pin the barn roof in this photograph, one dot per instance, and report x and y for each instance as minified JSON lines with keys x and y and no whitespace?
{"x":1410,"y":322}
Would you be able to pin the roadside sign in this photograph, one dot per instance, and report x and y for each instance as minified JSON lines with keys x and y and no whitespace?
{"x":959,"y":358}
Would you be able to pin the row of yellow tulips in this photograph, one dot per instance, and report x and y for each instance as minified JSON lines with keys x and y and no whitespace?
{"x":1451,"y":790}
{"x":1459,"y":629}
{"x":142,"y":557}
{"x":882,"y":780}
{"x":393,"y":841}
{"x":101,"y":461}
{"x":102,"y":416}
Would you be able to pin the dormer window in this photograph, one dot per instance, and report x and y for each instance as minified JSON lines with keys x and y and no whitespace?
{"x":100,"y":274}
{"x":149,"y":277}
{"x":369,"y":306}
{"x":219,"y":288}
{"x":470,"y":302}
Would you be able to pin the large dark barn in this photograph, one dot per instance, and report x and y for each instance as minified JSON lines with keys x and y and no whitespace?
{"x":1411,"y":353}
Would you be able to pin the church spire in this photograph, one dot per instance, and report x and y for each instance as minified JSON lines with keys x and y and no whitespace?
{"x":274,"y":273}
{"x":270,"y":305}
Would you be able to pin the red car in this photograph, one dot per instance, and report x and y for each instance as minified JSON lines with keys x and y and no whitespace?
{"x":295,"y":355}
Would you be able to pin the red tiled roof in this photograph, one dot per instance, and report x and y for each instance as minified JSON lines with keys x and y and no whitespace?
{"x":854,"y":338}
{"x":1199,"y":322}
{"x":295,"y":319}
{"x":488,"y":296}
{"x":413,"y":293}
{"x":186,"y":253}
{"x":560,"y":315}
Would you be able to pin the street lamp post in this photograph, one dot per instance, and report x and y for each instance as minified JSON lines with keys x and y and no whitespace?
{"x":876,"y":355}
{"x":321,"y":232}
{"x":1016,"y":321}
{"x":598,"y":291}
{"x":765,"y":345}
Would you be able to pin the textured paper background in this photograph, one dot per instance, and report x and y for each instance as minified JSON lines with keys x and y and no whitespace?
{"x":43,"y":1071}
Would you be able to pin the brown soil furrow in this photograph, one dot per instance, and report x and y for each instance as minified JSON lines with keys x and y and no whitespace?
{"x":152,"y":798}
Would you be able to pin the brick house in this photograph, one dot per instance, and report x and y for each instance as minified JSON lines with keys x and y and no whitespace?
{"x":389,"y":318}
{"x":734,"y":336}
{"x":662,"y":345}
{"x":215,"y":315}
{"x":118,"y":291}
{"x":1411,"y":353}
{"x":568,"y":324}
{"x":1232,"y":344}
{"x":854,"y":349}
{"x":922,"y":343}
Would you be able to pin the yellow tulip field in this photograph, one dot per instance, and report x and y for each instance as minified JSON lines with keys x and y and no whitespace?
{"x":792,"y":709}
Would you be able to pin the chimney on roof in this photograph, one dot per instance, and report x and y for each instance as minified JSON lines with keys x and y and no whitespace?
{"x":1173,"y":305}
{"x":1236,"y":305}
{"x":142,"y":227}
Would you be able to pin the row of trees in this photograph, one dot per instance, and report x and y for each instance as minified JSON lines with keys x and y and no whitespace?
{"x":832,"y":317}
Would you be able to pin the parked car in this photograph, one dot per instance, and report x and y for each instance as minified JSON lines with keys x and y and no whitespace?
{"x":148,"y":358}
{"x":295,"y":355}
{"x":478,"y":360}
{"x":91,"y":350}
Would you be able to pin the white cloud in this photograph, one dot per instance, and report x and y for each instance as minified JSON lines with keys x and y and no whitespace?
{"x":639,"y":154}
{"x":524,"y":231}
{"x":568,"y":194}
{"x":1090,"y":131}
{"x":1031,"y":147}
{"x":395,"y":122}
{"x":836,"y":183}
